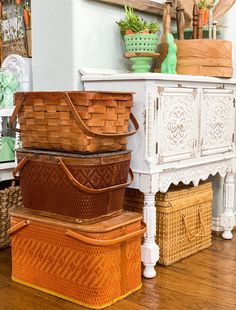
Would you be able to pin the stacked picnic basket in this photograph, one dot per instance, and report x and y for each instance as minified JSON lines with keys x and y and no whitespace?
{"x":72,"y":238}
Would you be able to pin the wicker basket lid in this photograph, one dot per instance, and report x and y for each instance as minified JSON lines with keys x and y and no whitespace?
{"x":125,"y":218}
{"x":74,"y":155}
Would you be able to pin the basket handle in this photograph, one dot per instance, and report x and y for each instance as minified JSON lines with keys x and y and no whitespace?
{"x":90,"y":133}
{"x":192,"y":236}
{"x":18,"y":226}
{"x":91,"y":190}
{"x":108,"y":242}
{"x":78,"y":119}
{"x":19,"y":167}
{"x":16,"y":111}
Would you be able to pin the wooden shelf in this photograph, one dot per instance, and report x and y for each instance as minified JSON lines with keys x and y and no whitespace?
{"x":141,"y":5}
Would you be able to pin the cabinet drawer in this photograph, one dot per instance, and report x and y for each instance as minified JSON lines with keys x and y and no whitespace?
{"x":177,"y":124}
{"x":217,"y":121}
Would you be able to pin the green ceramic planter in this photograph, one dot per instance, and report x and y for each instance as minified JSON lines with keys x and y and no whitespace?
{"x":141,"y":42}
{"x":141,"y":64}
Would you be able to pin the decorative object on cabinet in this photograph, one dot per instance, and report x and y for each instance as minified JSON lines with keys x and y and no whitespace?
{"x":9,"y":83}
{"x":183,"y":219}
{"x":221,"y":7}
{"x":27,"y":23}
{"x":91,"y":265}
{"x":140,"y":38}
{"x":73,"y":187}
{"x":141,"y":62}
{"x":15,"y":29}
{"x":187,"y":126}
{"x":204,"y":57}
{"x":180,"y":21}
{"x":7,"y":149}
{"x":9,"y":198}
{"x":169,"y":64}
{"x":74,"y":121}
{"x":201,"y":57}
{"x":23,"y":70}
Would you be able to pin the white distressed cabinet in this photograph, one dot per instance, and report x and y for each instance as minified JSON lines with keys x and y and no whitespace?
{"x":186,"y":134}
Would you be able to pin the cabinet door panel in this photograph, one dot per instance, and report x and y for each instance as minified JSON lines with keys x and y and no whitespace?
{"x":177,"y":124}
{"x":217,"y":121}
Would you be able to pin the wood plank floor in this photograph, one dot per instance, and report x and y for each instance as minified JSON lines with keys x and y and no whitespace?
{"x":204,"y":281}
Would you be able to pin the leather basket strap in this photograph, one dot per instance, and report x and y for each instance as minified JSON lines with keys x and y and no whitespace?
{"x":20,"y":166}
{"x":91,"y":133}
{"x":192,"y":236}
{"x":16,"y":112}
{"x":98,"y":242}
{"x":91,"y":190}
{"x":18,"y":226}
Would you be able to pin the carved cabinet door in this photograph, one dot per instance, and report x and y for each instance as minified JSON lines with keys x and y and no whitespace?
{"x":177,"y":127}
{"x":217,"y":121}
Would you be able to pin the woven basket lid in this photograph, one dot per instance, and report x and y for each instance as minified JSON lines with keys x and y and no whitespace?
{"x":125,"y":218}
{"x":74,"y":155}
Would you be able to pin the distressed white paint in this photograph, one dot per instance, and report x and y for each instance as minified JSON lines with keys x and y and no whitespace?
{"x":191,"y":143}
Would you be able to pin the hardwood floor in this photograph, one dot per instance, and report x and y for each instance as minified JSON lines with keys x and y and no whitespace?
{"x":204,"y":281}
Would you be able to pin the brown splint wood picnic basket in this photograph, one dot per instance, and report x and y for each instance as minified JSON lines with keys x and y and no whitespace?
{"x":73,"y":187}
{"x":91,"y":265}
{"x":74,"y":121}
{"x":183,"y":219}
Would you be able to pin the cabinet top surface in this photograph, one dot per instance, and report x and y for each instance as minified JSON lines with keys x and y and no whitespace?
{"x":113,"y":75}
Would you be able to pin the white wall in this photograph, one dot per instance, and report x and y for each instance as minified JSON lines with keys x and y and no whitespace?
{"x":68,"y":35}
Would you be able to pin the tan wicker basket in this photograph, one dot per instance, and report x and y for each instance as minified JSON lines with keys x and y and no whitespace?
{"x":91,"y":265}
{"x":9,"y":197}
{"x":183,"y":219}
{"x":74,"y":121}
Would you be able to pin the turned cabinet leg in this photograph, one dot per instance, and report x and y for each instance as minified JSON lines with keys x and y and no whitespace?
{"x":227,"y":218}
{"x":150,"y":250}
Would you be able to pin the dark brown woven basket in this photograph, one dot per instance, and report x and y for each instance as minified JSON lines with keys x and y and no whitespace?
{"x":74,"y":121}
{"x":73,"y":187}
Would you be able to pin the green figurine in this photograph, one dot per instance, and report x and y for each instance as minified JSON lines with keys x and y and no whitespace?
{"x":169,"y":64}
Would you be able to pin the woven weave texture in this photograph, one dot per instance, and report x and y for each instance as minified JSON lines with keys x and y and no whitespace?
{"x":183,"y":217}
{"x":9,"y":198}
{"x":42,"y":255}
{"x":45,"y":187}
{"x":47,"y":122}
{"x":141,"y":43}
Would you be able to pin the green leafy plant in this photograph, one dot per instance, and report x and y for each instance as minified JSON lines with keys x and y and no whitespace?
{"x":204,"y":4}
{"x":134,"y":24}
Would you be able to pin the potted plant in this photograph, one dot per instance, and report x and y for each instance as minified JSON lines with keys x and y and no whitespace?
{"x":139,"y":35}
{"x":203,"y":6}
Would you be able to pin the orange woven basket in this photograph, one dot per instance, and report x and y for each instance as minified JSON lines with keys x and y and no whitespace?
{"x":74,"y":121}
{"x":93,"y":265}
{"x":73,"y":187}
